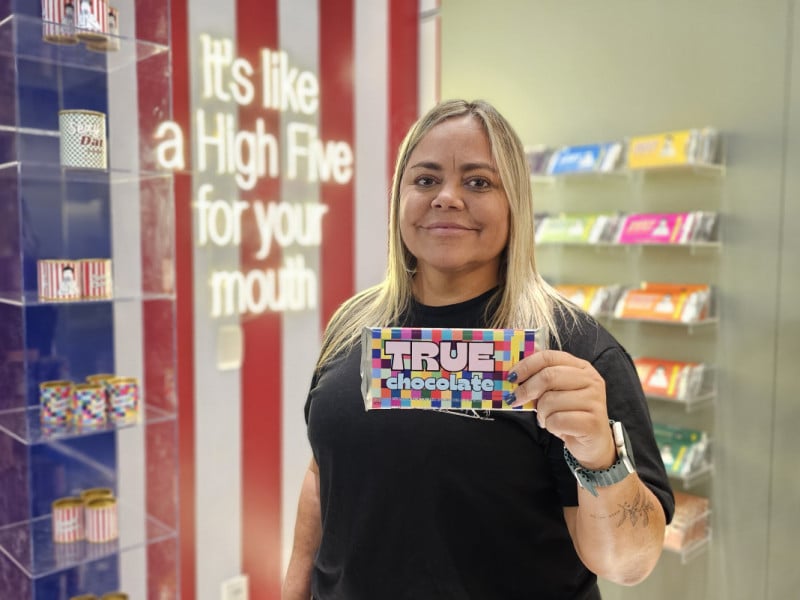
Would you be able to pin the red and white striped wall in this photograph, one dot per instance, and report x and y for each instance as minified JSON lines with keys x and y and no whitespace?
{"x":243,"y":445}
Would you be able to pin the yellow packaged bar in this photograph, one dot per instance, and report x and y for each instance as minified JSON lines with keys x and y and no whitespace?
{"x":667,"y":149}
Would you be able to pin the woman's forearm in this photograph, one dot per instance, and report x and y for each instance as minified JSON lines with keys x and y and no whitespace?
{"x":307,"y":533}
{"x":619,"y":534}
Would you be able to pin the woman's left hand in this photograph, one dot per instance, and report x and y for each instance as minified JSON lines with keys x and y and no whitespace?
{"x":569,"y":396}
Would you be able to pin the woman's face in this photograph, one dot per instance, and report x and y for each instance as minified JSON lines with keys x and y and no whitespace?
{"x":453,"y":210}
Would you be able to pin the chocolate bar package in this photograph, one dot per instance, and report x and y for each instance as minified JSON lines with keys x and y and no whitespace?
{"x":430,"y":368}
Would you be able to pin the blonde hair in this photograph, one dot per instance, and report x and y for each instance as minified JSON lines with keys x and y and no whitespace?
{"x":524,"y":299}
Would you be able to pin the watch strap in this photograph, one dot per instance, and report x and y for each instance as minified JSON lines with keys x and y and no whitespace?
{"x":590,"y":479}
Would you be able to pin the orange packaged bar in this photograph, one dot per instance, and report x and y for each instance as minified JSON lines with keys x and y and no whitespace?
{"x":582,"y":295}
{"x":665,"y":302}
{"x":594,"y":299}
{"x":666,"y":378}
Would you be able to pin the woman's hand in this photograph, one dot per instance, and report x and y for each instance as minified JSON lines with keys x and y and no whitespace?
{"x":569,"y":396}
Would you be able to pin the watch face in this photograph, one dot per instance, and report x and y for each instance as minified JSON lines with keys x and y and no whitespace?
{"x":623,"y":444}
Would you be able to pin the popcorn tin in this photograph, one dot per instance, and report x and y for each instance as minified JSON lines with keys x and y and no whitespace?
{"x":58,"y":280}
{"x":68,"y":520}
{"x":89,"y":405}
{"x":58,"y":22}
{"x":83,"y":139}
{"x":92,"y":20}
{"x":101,"y":520}
{"x":101,"y":378}
{"x":55,"y":402}
{"x":99,"y":492}
{"x":441,"y":368}
{"x":111,"y":43}
{"x":96,"y":282}
{"x":123,"y":400}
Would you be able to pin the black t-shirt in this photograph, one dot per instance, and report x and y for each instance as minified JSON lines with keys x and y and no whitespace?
{"x":426,"y":504}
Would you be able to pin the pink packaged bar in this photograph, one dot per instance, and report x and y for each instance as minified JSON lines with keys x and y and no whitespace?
{"x":656,"y":228}
{"x":429,"y":368}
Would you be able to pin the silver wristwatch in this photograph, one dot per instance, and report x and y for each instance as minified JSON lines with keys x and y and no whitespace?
{"x":589,"y":479}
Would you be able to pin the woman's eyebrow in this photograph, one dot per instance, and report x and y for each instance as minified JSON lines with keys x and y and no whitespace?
{"x":434,"y":166}
{"x":425,"y":164}
{"x":478,"y":165}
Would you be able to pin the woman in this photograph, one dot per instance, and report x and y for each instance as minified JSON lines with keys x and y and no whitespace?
{"x":446,"y":504}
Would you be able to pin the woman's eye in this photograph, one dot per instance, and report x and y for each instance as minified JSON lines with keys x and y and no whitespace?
{"x":424,"y":181}
{"x":478,"y":183}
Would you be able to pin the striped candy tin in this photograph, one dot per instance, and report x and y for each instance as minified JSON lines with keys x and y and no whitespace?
{"x":58,"y":279}
{"x":68,"y":523}
{"x":58,"y":22}
{"x":101,"y":520}
{"x":96,"y":282}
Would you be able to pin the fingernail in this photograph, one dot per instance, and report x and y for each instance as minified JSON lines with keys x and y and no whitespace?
{"x":509,"y":397}
{"x":512,"y":377}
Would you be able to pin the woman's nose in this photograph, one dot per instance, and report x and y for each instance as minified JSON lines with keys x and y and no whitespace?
{"x":448,"y":196}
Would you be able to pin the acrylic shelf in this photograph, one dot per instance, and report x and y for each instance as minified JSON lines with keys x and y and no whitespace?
{"x":689,"y":325}
{"x":694,"y":477}
{"x":582,"y":176}
{"x":692,"y":550}
{"x":23,"y":424}
{"x":31,"y":299}
{"x":702,"y":169}
{"x":690,"y":403}
{"x":692,"y":247}
{"x":21,"y":37}
{"x":49,"y":172}
{"x":29,"y":544}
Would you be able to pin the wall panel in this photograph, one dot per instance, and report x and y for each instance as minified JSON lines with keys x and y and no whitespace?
{"x":579,"y":72}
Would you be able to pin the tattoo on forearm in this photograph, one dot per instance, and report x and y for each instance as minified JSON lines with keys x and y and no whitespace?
{"x":638,"y":511}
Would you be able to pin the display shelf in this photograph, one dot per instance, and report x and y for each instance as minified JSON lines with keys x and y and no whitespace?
{"x":701,"y":169}
{"x":692,"y":550}
{"x":21,"y":37}
{"x":583,"y":177}
{"x":29,"y":544}
{"x":123,"y":214}
{"x":692,"y":247}
{"x":695,"y":477}
{"x":691,"y":188}
{"x":49,"y":172}
{"x":24,"y":425}
{"x":689,"y":404}
{"x":689,"y":326}
{"x":31,"y":299}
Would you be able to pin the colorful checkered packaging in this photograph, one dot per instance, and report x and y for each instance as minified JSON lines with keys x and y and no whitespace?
{"x":466,"y":369}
